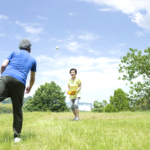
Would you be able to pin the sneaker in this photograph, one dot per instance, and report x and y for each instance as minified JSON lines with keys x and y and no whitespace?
{"x":74,"y":119}
{"x":16,"y":140}
{"x":77,"y":119}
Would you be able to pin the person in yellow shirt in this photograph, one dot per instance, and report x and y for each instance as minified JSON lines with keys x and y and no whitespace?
{"x":74,"y":84}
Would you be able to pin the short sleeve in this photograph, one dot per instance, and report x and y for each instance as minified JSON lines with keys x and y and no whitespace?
{"x":34,"y":67}
{"x":79,"y":81}
{"x":10,"y":56}
{"x":68,"y":82}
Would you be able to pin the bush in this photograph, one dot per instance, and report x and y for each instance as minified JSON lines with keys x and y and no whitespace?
{"x":110,"y":108}
{"x":6,"y":108}
{"x":97,"y":110}
{"x":132,"y":109}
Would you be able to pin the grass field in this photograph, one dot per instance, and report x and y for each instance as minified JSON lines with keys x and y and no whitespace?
{"x":95,"y":131}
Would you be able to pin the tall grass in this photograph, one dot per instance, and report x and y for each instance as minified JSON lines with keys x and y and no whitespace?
{"x":95,"y":131}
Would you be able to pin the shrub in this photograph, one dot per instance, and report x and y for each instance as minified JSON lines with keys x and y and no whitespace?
{"x":110,"y":108}
{"x":97,"y":110}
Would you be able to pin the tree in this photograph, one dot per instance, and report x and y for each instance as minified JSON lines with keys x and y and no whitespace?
{"x":110,"y":108}
{"x":104,"y":103}
{"x":26,"y":99}
{"x":47,"y":97}
{"x":97,"y":104}
{"x":137,"y":65}
{"x":119,"y":100}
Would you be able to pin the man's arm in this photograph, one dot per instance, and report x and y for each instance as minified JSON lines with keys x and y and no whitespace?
{"x":32,"y":80}
{"x":4,"y":65}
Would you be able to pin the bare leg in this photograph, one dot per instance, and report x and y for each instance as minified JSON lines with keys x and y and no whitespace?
{"x":74,"y":112}
{"x":77,"y":112}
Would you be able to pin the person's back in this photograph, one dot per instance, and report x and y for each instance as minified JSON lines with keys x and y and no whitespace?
{"x":21,"y":62}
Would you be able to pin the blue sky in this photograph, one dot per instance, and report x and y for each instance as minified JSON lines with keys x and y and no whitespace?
{"x":92,"y":35}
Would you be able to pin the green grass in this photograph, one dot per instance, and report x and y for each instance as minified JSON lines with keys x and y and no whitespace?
{"x":95,"y":131}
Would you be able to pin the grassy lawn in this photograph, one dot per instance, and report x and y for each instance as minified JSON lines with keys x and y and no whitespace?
{"x":95,"y":131}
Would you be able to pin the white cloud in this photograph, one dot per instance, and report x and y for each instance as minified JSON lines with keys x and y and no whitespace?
{"x":74,"y":46}
{"x":113,"y":51}
{"x":71,"y":13}
{"x":94,"y":51}
{"x":56,"y":40}
{"x":130,"y":7}
{"x":30,"y":28}
{"x":3,"y":17}
{"x":88,"y":36}
{"x":2,"y":34}
{"x":121,"y":44}
{"x":33,"y":38}
{"x":99,"y":76}
{"x":41,"y":17}
{"x":139,"y":33}
{"x":105,"y":9}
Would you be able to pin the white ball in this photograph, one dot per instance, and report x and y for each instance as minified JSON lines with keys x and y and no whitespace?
{"x":57,"y":47}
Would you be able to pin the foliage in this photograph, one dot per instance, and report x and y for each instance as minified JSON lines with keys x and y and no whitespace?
{"x":137,"y":65}
{"x":104,"y":103}
{"x":110,"y":108}
{"x":6,"y":108}
{"x":47,"y":97}
{"x":119,"y":100}
{"x":97,"y":104}
{"x":97,"y":110}
{"x":142,"y":104}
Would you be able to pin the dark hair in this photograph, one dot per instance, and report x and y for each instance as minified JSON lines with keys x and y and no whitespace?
{"x":25,"y":44}
{"x":74,"y":70}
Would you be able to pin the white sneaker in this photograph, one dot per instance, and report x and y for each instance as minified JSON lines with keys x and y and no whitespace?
{"x":16,"y":140}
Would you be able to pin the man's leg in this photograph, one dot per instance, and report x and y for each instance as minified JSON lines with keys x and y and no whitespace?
{"x":4,"y":93}
{"x":17,"y":94}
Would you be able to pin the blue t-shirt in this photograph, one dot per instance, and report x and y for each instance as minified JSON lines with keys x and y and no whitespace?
{"x":20,"y":63}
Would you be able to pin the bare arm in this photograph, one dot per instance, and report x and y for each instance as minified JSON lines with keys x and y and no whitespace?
{"x":79,"y":87}
{"x":32,"y":80}
{"x":4,"y":65}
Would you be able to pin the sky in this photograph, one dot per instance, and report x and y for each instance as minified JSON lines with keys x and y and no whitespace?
{"x":92,"y":36}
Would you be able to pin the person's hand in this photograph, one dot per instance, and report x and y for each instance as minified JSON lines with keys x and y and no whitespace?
{"x":28,"y":89}
{"x":73,"y":92}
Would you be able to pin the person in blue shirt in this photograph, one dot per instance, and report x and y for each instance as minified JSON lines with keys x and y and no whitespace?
{"x":14,"y":72}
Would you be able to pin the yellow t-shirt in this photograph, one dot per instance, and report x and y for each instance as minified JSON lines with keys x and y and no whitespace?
{"x":74,"y":86}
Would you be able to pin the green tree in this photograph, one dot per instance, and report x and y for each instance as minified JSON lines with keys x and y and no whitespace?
{"x":119,"y":100}
{"x":97,"y":104}
{"x":136,"y":65}
{"x":104,"y":103}
{"x":110,"y":108}
{"x":47,"y":97}
{"x":26,"y":99}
